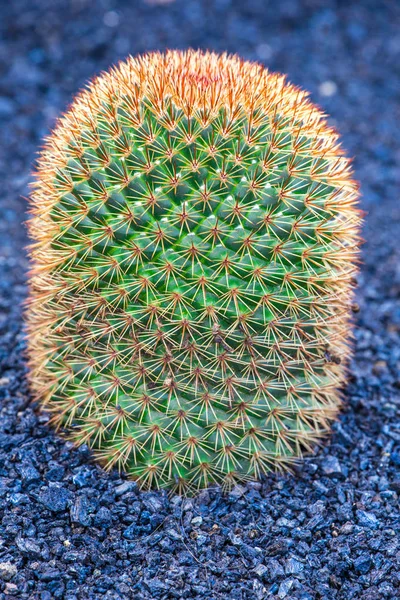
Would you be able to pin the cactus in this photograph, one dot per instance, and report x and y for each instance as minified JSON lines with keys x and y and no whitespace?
{"x":195,"y":237}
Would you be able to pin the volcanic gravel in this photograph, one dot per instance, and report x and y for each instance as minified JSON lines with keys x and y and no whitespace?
{"x":329,"y":531}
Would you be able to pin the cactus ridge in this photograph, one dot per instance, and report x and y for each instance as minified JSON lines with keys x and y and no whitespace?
{"x":195,"y":241}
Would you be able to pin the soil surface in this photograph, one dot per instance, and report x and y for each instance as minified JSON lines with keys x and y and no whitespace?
{"x":329,"y":531}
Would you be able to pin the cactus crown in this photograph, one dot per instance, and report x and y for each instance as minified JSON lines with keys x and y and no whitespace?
{"x":195,"y":238}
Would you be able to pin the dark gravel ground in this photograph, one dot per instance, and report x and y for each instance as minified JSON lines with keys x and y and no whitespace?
{"x":68,"y":530}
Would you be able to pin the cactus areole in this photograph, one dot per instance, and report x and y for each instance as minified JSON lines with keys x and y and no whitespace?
{"x":195,"y":237}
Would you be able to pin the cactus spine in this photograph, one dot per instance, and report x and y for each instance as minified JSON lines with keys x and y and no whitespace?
{"x":195,"y":237}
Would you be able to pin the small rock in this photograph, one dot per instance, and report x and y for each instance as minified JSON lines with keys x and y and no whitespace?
{"x":79,"y":512}
{"x":50,"y":574}
{"x":238,"y":491}
{"x":367,"y":519}
{"x":156,"y":587}
{"x":174,"y":534}
{"x":28,"y":547}
{"x":285,"y":588}
{"x":7,"y":570}
{"x":18,"y":499}
{"x":317,"y":508}
{"x":388,"y":495}
{"x":275,"y":569}
{"x":316,"y":522}
{"x":293,"y":566}
{"x":201,"y":539}
{"x":196,"y":521}
{"x":235,"y":539}
{"x":103,"y":516}
{"x":347,"y":528}
{"x":28,"y":473}
{"x":131,"y":532}
{"x":82,"y":477}
{"x":125,"y":487}
{"x":56,"y":473}
{"x":331,"y":467}
{"x":151,"y":502}
{"x":250,"y":552}
{"x":55,"y":498}
{"x":362,"y":564}
{"x":260,"y":570}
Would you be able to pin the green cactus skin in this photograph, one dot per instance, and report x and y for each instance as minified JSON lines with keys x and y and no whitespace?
{"x":195,"y":241}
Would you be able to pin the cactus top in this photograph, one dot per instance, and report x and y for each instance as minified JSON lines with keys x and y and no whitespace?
{"x":195,"y":235}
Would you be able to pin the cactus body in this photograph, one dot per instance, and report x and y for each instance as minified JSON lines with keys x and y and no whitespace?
{"x":195,"y":238}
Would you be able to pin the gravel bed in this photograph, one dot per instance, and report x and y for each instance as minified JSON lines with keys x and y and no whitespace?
{"x":330,"y":530}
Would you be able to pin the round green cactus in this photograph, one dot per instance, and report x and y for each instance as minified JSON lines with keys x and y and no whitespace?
{"x":195,"y":239}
